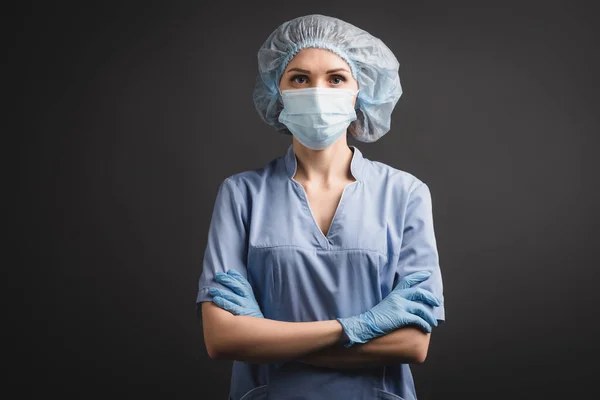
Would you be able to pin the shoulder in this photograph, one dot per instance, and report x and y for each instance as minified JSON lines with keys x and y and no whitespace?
{"x":396,"y":179}
{"x":252,"y":180}
{"x":401,"y":187}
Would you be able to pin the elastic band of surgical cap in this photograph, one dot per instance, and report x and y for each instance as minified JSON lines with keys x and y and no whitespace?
{"x":319,"y":45}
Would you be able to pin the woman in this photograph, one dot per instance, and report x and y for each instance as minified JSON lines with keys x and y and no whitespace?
{"x":321,"y":276}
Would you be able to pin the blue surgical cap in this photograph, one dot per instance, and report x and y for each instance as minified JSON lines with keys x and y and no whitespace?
{"x":372,"y":64}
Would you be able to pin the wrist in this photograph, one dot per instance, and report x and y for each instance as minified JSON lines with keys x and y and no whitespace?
{"x":344,"y":339}
{"x":356,"y":330}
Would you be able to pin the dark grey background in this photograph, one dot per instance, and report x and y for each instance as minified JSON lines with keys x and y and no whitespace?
{"x":136,"y":112}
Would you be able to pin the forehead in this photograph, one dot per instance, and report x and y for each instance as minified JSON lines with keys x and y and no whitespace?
{"x":317,"y":59}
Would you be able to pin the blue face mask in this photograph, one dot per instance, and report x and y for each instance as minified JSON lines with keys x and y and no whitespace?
{"x":317,"y":117}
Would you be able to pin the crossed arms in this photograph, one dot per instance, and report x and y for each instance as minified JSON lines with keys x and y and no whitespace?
{"x":319,"y":343}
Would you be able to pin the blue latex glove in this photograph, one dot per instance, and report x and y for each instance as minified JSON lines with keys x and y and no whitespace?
{"x":240,"y":300}
{"x":400,"y":308}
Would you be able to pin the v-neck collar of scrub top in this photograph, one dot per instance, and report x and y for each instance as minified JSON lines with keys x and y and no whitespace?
{"x":329,"y":239}
{"x":356,"y":164}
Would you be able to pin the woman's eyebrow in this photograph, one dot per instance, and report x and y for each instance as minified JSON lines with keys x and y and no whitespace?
{"x":304,"y":71}
{"x":336,"y":70}
{"x":299,"y":70}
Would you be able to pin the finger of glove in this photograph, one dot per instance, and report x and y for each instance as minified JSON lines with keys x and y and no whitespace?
{"x":423,"y":296}
{"x":227,"y":305}
{"x":413,"y":279}
{"x":415,"y":320}
{"x":421,"y":311}
{"x":242,"y":279}
{"x":228,"y":295}
{"x":230,"y":282}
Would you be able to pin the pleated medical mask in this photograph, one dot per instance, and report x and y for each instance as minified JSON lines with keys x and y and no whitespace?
{"x":317,"y":116}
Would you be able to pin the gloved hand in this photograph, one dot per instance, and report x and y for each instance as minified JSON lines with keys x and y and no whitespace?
{"x":399,"y":308}
{"x":239,"y":301}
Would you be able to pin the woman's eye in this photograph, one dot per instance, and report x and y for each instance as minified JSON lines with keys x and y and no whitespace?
{"x":336,"y":80}
{"x":299,"y":79}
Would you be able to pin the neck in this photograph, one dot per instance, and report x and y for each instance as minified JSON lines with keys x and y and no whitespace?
{"x":323,"y":166}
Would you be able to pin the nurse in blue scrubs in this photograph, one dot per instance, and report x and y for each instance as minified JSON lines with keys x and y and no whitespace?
{"x":321,"y":277}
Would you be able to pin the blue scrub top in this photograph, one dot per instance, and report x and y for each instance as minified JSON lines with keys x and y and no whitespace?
{"x":262,"y":226}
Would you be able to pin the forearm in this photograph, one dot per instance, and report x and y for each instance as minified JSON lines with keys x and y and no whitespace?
{"x":260,"y":340}
{"x":405,"y":346}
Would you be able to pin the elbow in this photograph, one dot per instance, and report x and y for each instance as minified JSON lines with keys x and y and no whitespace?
{"x":215,"y":321}
{"x":420,"y":355}
{"x":420,"y":349}
{"x":219,"y":351}
{"x":214,"y":353}
{"x":211,"y":350}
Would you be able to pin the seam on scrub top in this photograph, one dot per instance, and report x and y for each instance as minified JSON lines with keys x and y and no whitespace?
{"x":417,"y":183}
{"x":389,"y":394}
{"x":314,"y":249}
{"x":229,"y":178}
{"x":242,"y":201}
{"x":252,"y":391}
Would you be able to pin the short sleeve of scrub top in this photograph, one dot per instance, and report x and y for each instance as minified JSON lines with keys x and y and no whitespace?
{"x":262,"y":226}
